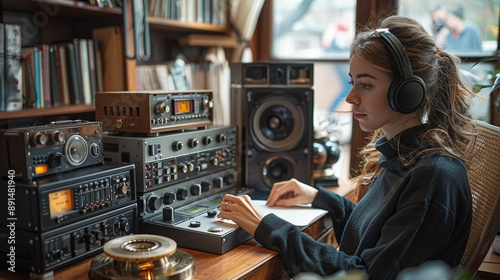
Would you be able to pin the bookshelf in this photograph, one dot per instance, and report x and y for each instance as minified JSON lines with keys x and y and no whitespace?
{"x":64,"y":20}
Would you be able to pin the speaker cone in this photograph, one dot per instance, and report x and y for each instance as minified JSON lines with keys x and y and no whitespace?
{"x":76,"y":150}
{"x":277,"y":124}
{"x":277,"y":168}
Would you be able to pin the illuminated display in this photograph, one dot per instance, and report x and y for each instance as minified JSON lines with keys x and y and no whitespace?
{"x":215,"y":201}
{"x":195,"y":209}
{"x":183,"y":106}
{"x":61,"y":202}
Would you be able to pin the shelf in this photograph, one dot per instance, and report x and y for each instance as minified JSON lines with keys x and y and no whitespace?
{"x":207,"y":40}
{"x":161,"y":24}
{"x":62,"y":110}
{"x":59,"y":8}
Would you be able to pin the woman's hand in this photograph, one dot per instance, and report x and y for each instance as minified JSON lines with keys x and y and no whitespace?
{"x":242,"y":211}
{"x":290,"y":193}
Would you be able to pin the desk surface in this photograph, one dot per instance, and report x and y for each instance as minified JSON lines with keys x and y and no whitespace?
{"x":254,"y":262}
{"x":249,"y":260}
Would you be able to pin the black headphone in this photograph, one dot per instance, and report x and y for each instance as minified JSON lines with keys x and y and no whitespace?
{"x":406,"y":91}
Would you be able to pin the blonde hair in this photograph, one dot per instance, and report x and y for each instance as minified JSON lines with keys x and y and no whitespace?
{"x":446,"y":104}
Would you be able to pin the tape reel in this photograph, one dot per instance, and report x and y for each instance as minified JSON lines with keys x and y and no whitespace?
{"x":142,"y":256}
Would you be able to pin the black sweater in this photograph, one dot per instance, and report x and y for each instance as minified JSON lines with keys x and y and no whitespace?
{"x":409,"y":216}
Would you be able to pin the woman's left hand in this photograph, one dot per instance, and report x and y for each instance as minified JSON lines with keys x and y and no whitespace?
{"x":240,"y":210}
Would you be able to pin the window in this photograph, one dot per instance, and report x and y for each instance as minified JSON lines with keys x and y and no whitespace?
{"x":464,"y":27}
{"x":312,"y":29}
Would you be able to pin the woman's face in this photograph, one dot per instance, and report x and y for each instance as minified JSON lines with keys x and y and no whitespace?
{"x":368,"y":97}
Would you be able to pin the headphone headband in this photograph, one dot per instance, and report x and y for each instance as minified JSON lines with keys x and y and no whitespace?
{"x":399,"y":60}
{"x":406,"y":91}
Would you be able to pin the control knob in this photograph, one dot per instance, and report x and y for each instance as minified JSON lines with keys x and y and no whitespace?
{"x":221,"y":138}
{"x":195,"y":189}
{"x":182,"y":194}
{"x":154,"y":202}
{"x":40,"y":139}
{"x":207,"y":140}
{"x":177,"y":146}
{"x":182,"y":168}
{"x":162,"y":108}
{"x":58,"y":136}
{"x":56,"y":160}
{"x":193,"y":143}
{"x":205,"y":186}
{"x":124,"y":224}
{"x":94,"y":150}
{"x":123,"y":188}
{"x":168,"y":198}
{"x":218,"y":182}
{"x":90,"y":238}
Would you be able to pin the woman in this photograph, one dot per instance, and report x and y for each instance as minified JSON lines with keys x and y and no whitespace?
{"x":416,"y":204}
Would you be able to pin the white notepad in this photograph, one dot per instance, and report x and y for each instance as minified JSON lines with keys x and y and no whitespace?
{"x":298,"y":215}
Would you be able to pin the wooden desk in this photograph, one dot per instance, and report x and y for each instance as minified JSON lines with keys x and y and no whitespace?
{"x":490,"y":268}
{"x":249,"y":260}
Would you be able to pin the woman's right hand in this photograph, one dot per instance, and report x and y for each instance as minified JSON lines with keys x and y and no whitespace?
{"x":290,"y":193}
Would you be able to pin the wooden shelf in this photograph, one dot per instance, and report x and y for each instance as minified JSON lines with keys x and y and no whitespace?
{"x":161,"y":24}
{"x":60,"y":8}
{"x":53,"y":111}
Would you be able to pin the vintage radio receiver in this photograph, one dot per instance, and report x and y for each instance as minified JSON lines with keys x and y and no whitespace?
{"x":38,"y":151}
{"x":181,"y":194}
{"x":42,"y":253}
{"x":174,"y":157}
{"x":196,"y":226}
{"x":65,"y":198}
{"x":154,"y":111}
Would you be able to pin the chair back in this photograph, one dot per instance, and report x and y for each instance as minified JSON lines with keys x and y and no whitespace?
{"x":484,"y":179}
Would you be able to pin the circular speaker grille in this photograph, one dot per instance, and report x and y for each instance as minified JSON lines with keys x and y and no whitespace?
{"x":76,"y":150}
{"x":277,"y":168}
{"x":277,"y":124}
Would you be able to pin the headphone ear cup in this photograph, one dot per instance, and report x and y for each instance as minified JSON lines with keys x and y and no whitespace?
{"x":406,"y":95}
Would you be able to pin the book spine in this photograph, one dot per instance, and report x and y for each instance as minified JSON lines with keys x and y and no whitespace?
{"x":45,"y":74}
{"x":92,"y":69}
{"x":2,"y":68}
{"x":55,"y":89}
{"x":13,"y":70}
{"x":79,"y":93}
{"x":84,"y":64}
{"x":28,"y":77}
{"x":36,"y":70}
{"x":64,"y":72}
{"x":73,"y":78}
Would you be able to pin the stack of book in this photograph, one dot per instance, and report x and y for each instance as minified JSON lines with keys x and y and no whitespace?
{"x":196,"y":11}
{"x":61,"y":74}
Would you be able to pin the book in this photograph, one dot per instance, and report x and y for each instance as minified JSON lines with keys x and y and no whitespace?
{"x":72,"y":70}
{"x":36,"y":69}
{"x":111,"y":48}
{"x":2,"y":68}
{"x":13,"y":68}
{"x":85,"y":71}
{"x":45,"y":75}
{"x":63,"y":72}
{"x":98,"y":66}
{"x":29,"y":88}
{"x":55,"y":85}
{"x":77,"y":61}
{"x":92,"y":69}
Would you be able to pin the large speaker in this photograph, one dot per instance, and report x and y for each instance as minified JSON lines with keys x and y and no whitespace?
{"x":272,"y":106}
